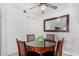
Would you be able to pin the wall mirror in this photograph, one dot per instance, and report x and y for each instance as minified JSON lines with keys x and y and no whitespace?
{"x":57,"y":24}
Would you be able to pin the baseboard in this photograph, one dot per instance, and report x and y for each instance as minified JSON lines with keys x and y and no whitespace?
{"x":69,"y":54}
{"x":13,"y":54}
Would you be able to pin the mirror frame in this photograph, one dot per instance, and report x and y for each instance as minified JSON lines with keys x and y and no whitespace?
{"x":67,"y":24}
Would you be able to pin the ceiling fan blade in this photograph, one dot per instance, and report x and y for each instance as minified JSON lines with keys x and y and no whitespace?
{"x":34,"y":7}
{"x":52,"y":6}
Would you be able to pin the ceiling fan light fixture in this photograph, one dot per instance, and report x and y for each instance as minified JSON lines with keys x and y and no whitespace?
{"x":43,"y":7}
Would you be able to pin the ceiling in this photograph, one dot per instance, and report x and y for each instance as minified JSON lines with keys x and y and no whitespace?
{"x":36,"y":12}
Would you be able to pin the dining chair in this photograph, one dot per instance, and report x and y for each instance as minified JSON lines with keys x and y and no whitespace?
{"x":59,"y":47}
{"x":33,"y":53}
{"x":21,"y":48}
{"x":30,"y":37}
{"x":50,"y":37}
{"x":48,"y":53}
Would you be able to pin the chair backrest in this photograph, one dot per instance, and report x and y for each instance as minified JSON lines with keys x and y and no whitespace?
{"x":59,"y":47}
{"x":30,"y":37}
{"x":21,"y":48}
{"x":33,"y":53}
{"x":50,"y":37}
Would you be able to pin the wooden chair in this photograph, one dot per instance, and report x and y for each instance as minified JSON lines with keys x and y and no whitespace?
{"x":30,"y":37}
{"x":21,"y":48}
{"x":50,"y":37}
{"x":59,"y":47}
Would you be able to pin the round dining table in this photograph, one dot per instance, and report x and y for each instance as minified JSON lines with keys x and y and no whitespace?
{"x":41,"y":45}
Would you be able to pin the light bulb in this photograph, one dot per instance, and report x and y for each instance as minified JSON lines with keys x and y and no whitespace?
{"x":43,"y":7}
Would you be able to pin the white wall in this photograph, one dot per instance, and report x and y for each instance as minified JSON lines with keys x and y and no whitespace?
{"x":14,"y":25}
{"x":72,"y":37}
{"x":18,"y":26}
{"x":3,"y":32}
{"x":0,"y":29}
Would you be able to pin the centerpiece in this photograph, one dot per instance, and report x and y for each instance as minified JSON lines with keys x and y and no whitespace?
{"x":40,"y":40}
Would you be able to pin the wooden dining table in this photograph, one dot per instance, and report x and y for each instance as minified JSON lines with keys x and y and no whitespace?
{"x":41,"y":45}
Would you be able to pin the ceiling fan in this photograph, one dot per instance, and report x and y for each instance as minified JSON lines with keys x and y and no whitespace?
{"x":44,"y":6}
